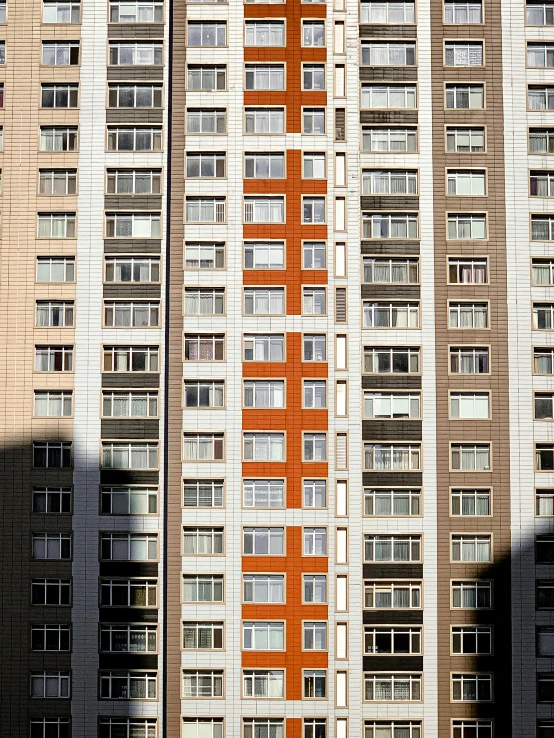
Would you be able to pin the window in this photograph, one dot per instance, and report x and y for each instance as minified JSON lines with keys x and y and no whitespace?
{"x":203,"y":493}
{"x":139,"y":11}
{"x":382,"y":595}
{"x":389,"y":182}
{"x":136,"y":138}
{"x":390,"y":315}
{"x":130,"y":404}
{"x":315,"y":394}
{"x":53,"y":403}
{"x":264,"y":165}
{"x":263,"y":684}
{"x":313,"y":121}
{"x":204,"y":301}
{"x":263,"y":727}
{"x":391,"y":405}
{"x":544,"y":594}
{"x":469,"y":360}
{"x":128,"y":638}
{"x":132,"y":455}
{"x":56,"y":592}
{"x":387,"y":640}
{"x":55,"y":269}
{"x":541,"y":140}
{"x":128,"y":547}
{"x":544,"y":549}
{"x":136,"y":53}
{"x":389,"y":11}
{"x":201,"y":684}
{"x":463,"y":96}
{"x":390,"y":225}
{"x":315,"y":728}
{"x":264,"y":254}
{"x":391,"y":360}
{"x":207,"y":33}
{"x":264,"y":120}
{"x":204,"y":347}
{"x":264,"y":541}
{"x":544,"y":457}
{"x":389,"y":139}
{"x":471,"y":639}
{"x":470,"y":501}
{"x":205,"y":164}
{"x":466,"y":226}
{"x":265,"y":77}
{"x":264,"y":33}
{"x":204,"y":255}
{"x":56,"y":225}
{"x":314,"y":348}
{"x":472,"y":595}
{"x":57,"y":182}
{"x":203,"y":587}
{"x":314,"y":301}
{"x":58,"y":138}
{"x":128,"y":593}
{"x":132,"y":314}
{"x":204,"y":393}
{"x":468,"y":315}
{"x":54,"y":314}
{"x":314,"y":255}
{"x":56,"y":11}
{"x":466,"y":182}
{"x":51,"y":546}
{"x":259,"y":347}
{"x":50,"y":727}
{"x":544,"y":502}
{"x":542,"y":316}
{"x":313,"y":210}
{"x":207,"y":77}
{"x":203,"y":446}
{"x":388,"y":53}
{"x":392,"y":457}
{"x":46,"y":684}
{"x":264,"y":209}
{"x":541,"y":184}
{"x":314,"y":688}
{"x":545,"y":688}
{"x":315,"y":542}
{"x":261,"y":301}
{"x":392,"y":729}
{"x":52,"y":454}
{"x":202,"y":541}
{"x":130,"y":359}
{"x":315,"y":588}
{"x":463,"y":54}
{"x":464,"y":405}
{"x":129,"y":500}
{"x":60,"y":53}
{"x":264,"y":394}
{"x":539,"y":14}
{"x":260,"y":636}
{"x":133,"y":225}
{"x":542,"y":228}
{"x":458,"y":11}
{"x":263,"y":588}
{"x":470,"y":457}
{"x":206,"y":121}
{"x":389,"y":96}
{"x":314,"y":493}
{"x":315,"y":636}
{"x":132,"y":269}
{"x":540,"y":98}
{"x":134,"y":182}
{"x":128,"y":685}
{"x":126,"y":95}
{"x":474,"y":548}
{"x":313,"y":76}
{"x":205,"y":209}
{"x":206,"y":636}
{"x":133,"y":726}
{"x":52,"y":499}
{"x":471,"y":687}
{"x":263,"y":493}
{"x":314,"y":447}
{"x":392,"y":687}
{"x":540,"y":55}
{"x":392,"y":548}
{"x":385,"y":501}
{"x":465,"y":140}
{"x":313,"y":33}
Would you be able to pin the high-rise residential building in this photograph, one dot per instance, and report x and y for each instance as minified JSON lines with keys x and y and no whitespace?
{"x":277,"y":369}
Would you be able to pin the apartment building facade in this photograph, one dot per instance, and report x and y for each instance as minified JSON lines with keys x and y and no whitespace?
{"x":278,"y":279}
